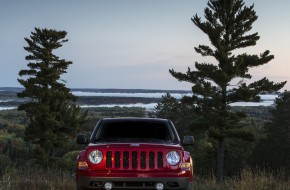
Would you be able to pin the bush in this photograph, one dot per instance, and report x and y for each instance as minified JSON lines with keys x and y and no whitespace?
{"x":67,"y":162}
{"x":4,"y":163}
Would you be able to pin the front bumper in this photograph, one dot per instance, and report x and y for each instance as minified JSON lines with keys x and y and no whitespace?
{"x":178,"y":183}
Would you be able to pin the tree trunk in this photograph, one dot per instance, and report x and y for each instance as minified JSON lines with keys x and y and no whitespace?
{"x":220,"y":161}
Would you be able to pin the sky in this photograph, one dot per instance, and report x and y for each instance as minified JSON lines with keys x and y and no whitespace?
{"x":131,"y":44}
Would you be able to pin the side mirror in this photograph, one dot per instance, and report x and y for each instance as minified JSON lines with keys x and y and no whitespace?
{"x":188,"y":140}
{"x":82,"y":139}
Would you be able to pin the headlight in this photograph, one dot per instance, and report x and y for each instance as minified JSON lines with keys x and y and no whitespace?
{"x":96,"y":157}
{"x":173,"y":158}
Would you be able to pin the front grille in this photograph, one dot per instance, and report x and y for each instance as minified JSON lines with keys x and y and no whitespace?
{"x":134,"y":159}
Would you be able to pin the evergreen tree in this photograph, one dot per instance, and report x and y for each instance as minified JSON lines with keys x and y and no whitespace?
{"x":51,"y":108}
{"x":177,"y":111}
{"x":273,"y":151}
{"x":168,"y":108}
{"x":228,"y":24}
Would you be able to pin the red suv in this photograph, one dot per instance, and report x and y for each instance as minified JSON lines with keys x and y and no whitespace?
{"x":134,"y":153}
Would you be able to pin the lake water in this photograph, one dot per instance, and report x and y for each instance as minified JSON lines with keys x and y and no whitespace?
{"x":266,"y":100}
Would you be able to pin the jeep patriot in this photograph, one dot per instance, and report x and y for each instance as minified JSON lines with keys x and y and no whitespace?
{"x":134,"y":153}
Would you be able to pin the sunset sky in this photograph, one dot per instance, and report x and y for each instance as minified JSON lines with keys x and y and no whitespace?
{"x":132,"y":43}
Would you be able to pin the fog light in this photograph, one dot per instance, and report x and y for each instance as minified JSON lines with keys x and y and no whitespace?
{"x":108,"y":185}
{"x":159,"y":186}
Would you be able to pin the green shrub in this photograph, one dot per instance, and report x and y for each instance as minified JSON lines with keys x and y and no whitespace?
{"x":4,"y":163}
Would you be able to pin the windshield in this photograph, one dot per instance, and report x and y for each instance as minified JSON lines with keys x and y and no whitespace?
{"x":135,"y":131}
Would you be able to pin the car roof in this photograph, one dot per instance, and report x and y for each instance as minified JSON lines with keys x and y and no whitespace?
{"x":134,"y":119}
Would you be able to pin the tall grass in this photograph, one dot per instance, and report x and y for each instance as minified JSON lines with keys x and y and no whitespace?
{"x":260,"y":180}
{"x":248,"y":180}
{"x":36,"y":179}
{"x":51,"y":179}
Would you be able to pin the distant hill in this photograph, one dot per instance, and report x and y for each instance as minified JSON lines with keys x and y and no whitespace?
{"x":109,"y":90}
{"x":90,"y":97}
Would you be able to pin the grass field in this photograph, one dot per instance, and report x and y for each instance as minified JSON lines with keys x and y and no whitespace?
{"x":35,"y":179}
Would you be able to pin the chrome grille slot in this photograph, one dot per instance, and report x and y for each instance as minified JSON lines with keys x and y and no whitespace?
{"x":109,"y":159}
{"x":151,"y":160}
{"x":143,"y":159}
{"x":126,"y":159}
{"x":160,"y":160}
{"x":134,"y":160}
{"x":117,"y":159}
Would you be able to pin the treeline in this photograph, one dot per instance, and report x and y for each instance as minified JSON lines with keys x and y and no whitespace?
{"x":264,"y":146}
{"x":96,"y":100}
{"x":16,"y":152}
{"x":9,"y":98}
{"x":18,"y":155}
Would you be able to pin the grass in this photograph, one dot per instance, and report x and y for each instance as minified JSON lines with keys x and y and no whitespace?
{"x":36,"y":179}
{"x":248,"y":180}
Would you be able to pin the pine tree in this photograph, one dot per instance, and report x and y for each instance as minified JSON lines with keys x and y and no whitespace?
{"x":177,"y":111}
{"x":168,"y":108}
{"x":273,"y":151}
{"x":228,"y":24}
{"x":51,"y":108}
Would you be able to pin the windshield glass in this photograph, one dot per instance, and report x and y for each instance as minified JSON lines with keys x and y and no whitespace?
{"x":135,"y":131}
